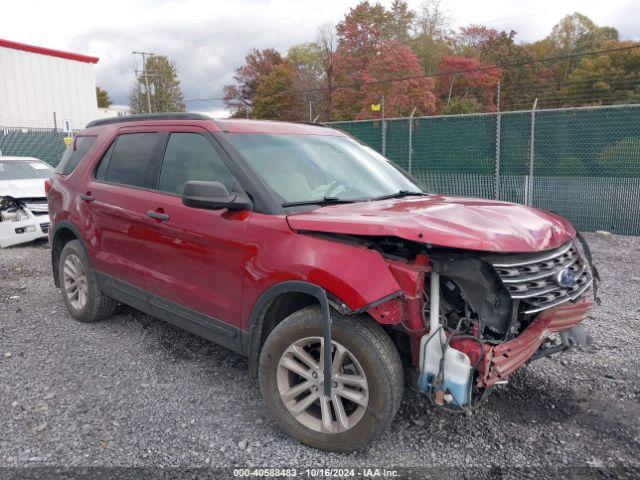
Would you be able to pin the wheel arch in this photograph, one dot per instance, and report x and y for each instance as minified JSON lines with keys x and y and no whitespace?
{"x":277,"y":303}
{"x":64,"y":232}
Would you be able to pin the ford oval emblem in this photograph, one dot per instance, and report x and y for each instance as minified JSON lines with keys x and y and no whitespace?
{"x":566,"y":277}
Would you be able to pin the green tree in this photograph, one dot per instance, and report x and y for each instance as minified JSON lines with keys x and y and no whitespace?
{"x":461,"y":105}
{"x":610,"y":77}
{"x":164,"y":88}
{"x":241,"y":96}
{"x":102,"y":98}
{"x":309,"y":85}
{"x":276,"y":98}
{"x":578,"y":33}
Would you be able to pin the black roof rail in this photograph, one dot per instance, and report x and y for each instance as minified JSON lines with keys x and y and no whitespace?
{"x":148,"y":116}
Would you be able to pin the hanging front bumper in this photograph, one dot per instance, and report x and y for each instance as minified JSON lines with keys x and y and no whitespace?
{"x":499,"y":361}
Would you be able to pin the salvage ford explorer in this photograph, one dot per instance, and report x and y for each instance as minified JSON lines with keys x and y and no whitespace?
{"x":319,"y":259}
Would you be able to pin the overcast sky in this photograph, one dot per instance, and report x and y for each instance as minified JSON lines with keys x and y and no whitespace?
{"x":208,"y":39}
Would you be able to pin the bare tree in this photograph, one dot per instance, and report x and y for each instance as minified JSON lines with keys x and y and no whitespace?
{"x":327,"y":44}
{"x":432,"y":20}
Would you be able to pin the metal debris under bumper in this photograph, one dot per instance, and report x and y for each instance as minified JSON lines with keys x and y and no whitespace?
{"x":500,"y":361}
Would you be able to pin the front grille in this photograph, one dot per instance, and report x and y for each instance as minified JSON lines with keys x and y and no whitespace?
{"x":535,"y":279}
{"x":44,"y":227}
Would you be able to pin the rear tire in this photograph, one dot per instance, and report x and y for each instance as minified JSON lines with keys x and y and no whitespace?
{"x":80,"y":290}
{"x":367,"y":380}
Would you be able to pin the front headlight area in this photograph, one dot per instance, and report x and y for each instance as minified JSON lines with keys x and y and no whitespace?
{"x":18,"y":224}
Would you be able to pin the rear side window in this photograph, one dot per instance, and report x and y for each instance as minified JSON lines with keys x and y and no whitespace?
{"x":73,"y":155}
{"x":131,"y":160}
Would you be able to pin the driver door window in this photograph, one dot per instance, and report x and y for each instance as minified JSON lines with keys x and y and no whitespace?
{"x":190,"y":156}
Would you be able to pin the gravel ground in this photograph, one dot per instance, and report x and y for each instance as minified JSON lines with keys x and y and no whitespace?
{"x":134,"y":391}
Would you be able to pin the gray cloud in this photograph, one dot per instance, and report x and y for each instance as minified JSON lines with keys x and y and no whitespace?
{"x":208,"y":40}
{"x":206,"y":53}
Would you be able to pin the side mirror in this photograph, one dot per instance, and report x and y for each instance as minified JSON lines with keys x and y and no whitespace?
{"x":213,"y":196}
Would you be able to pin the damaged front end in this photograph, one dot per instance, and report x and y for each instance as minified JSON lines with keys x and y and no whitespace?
{"x":22,"y":220}
{"x":475,"y":318}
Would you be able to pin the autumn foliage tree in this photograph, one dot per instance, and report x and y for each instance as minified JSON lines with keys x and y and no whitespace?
{"x":370,"y":56}
{"x":395,"y":73}
{"x":415,"y":59}
{"x":467,"y":79}
{"x":241,"y":96}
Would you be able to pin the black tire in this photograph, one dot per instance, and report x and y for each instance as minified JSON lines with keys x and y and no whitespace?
{"x":373,"y":350}
{"x":98,"y":306}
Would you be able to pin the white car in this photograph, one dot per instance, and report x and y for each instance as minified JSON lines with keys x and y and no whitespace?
{"x":24,"y":213}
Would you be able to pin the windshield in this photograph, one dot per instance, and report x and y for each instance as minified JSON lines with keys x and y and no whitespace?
{"x":319,"y":168}
{"x":23,"y":170}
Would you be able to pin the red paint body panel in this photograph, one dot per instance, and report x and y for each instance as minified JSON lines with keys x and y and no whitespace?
{"x":354,"y":275}
{"x":465,"y":223}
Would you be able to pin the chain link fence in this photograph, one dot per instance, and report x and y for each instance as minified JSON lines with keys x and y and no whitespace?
{"x":583,"y":163}
{"x":47,"y":144}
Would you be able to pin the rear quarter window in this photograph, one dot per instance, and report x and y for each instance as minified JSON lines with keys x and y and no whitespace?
{"x":73,"y":155}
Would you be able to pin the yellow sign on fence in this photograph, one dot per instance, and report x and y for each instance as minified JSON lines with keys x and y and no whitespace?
{"x":375,"y":107}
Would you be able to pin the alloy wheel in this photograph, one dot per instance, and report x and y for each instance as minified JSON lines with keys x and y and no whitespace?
{"x":75,"y":281}
{"x":300,"y":383}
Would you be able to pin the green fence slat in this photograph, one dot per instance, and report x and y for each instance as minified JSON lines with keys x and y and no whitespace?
{"x":45,"y":144}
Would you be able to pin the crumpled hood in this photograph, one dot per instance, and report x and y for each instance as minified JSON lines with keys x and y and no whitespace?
{"x":29,"y":188}
{"x":465,"y":223}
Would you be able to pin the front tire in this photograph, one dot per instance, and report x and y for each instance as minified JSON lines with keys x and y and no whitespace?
{"x":367,"y":380}
{"x":80,"y":290}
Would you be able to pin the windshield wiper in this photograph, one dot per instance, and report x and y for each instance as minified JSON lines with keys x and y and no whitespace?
{"x":323,"y":201}
{"x":400,"y":194}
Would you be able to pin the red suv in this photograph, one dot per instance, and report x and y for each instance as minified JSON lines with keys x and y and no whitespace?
{"x":319,"y":259}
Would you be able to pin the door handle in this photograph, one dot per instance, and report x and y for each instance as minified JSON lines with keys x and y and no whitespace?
{"x":86,"y":197}
{"x":163,"y":217}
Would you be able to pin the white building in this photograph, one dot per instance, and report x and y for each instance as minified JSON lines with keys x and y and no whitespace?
{"x":113,"y":111}
{"x":40,"y":86}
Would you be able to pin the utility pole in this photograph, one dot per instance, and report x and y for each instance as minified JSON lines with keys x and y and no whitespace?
{"x":145,"y":75}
